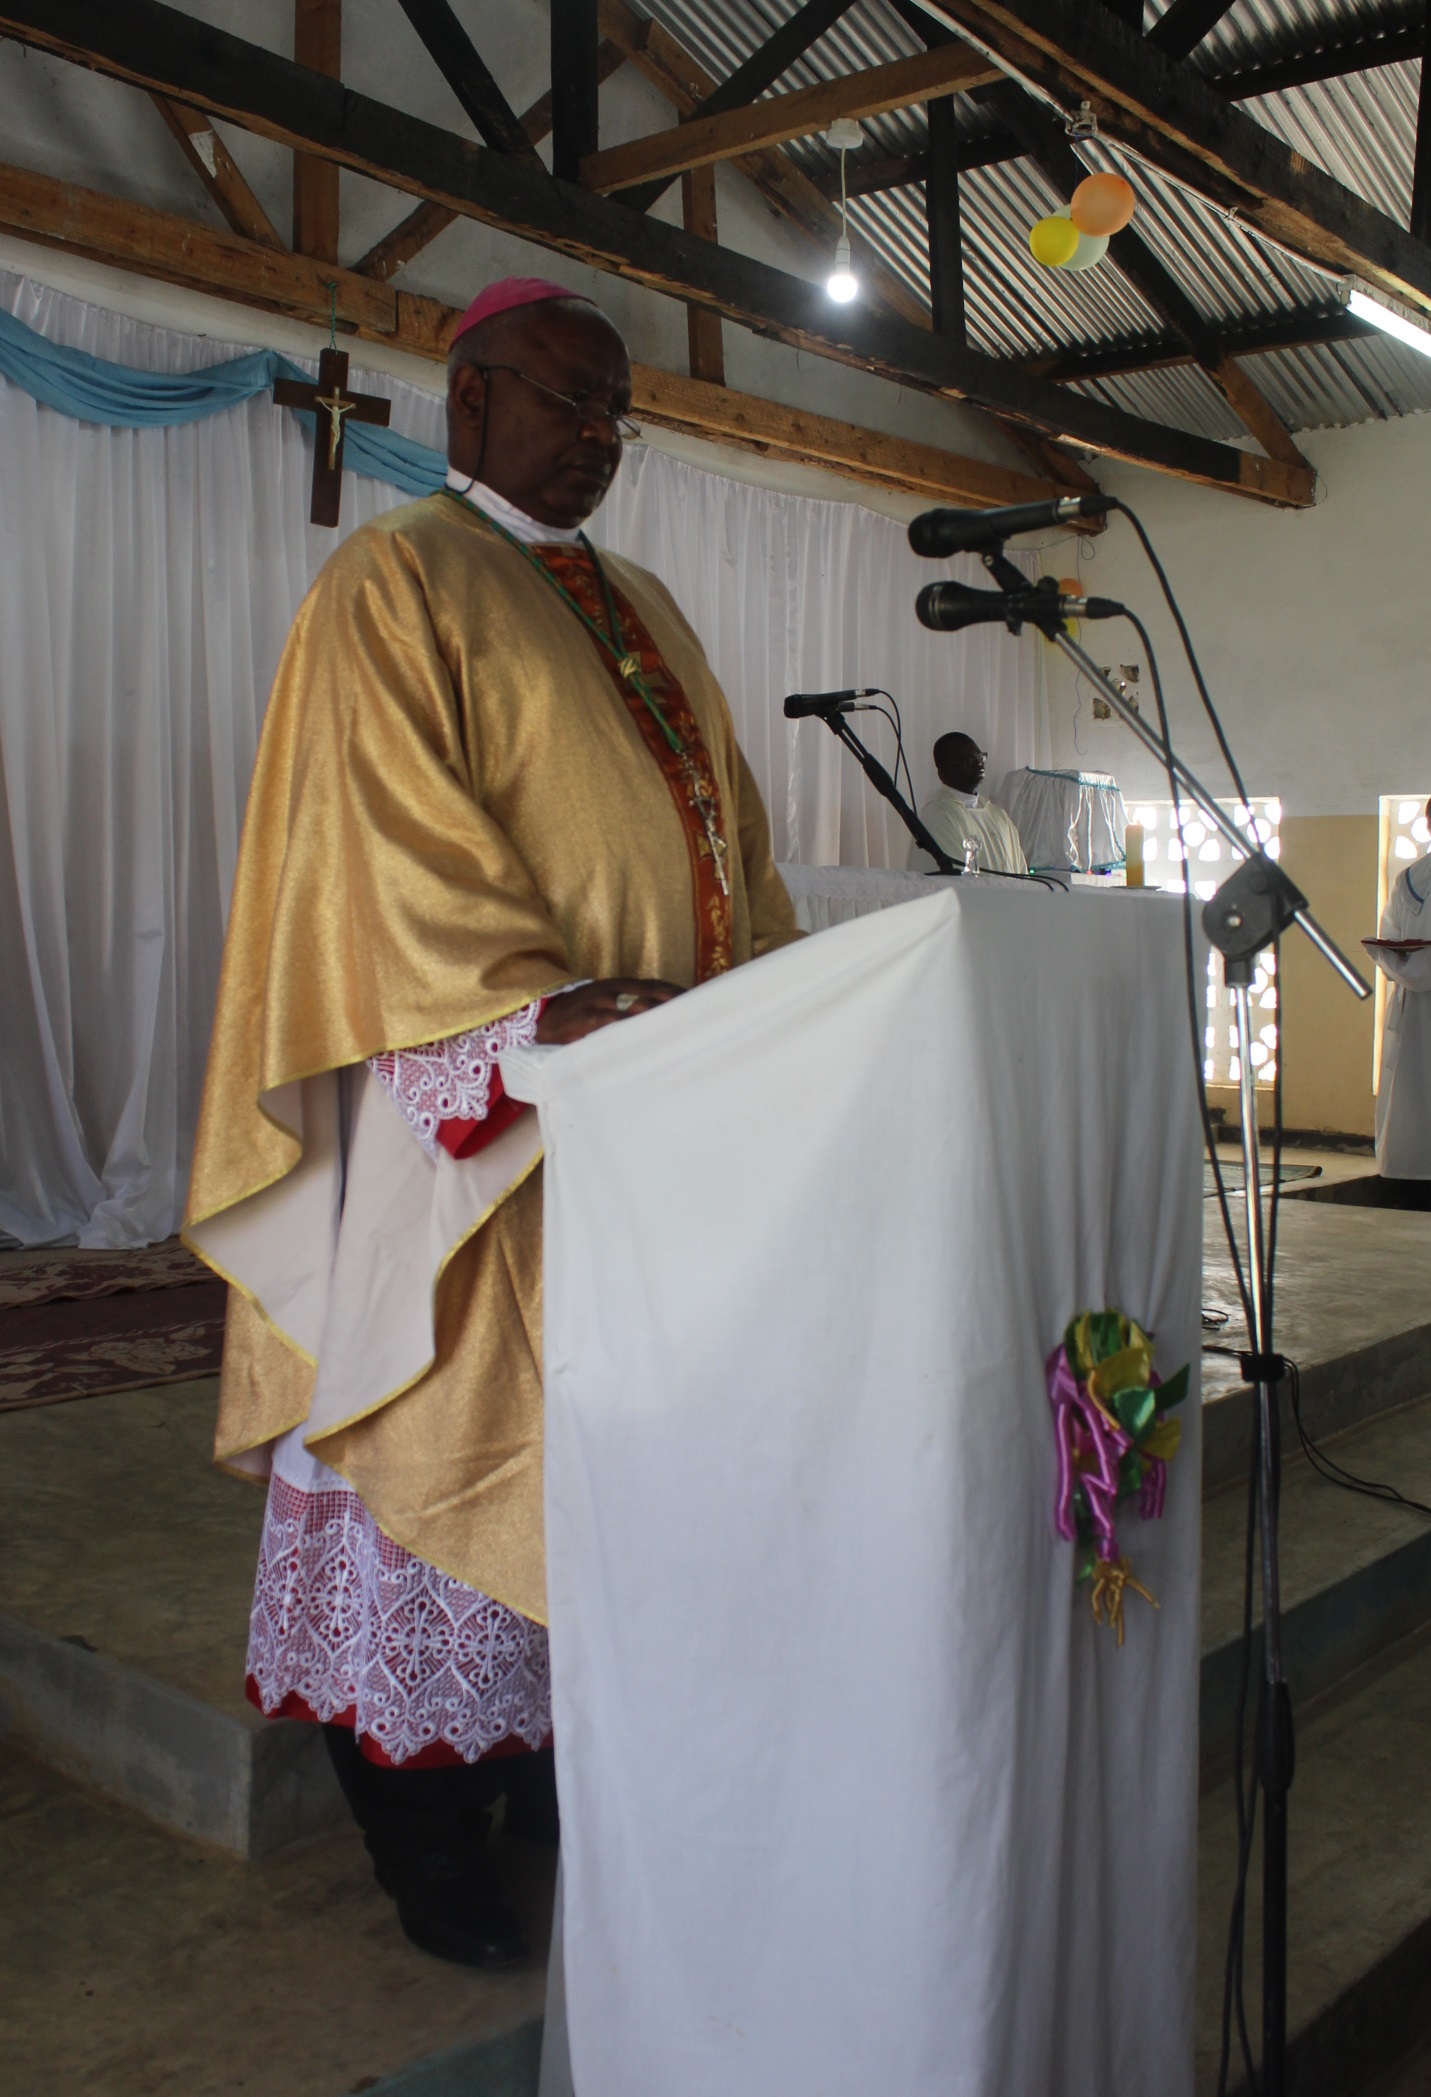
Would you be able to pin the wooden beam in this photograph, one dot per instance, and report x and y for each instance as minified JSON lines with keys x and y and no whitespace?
{"x":946,"y":233}
{"x":1167,"y":112}
{"x":453,"y":53}
{"x":787,"y":191}
{"x":164,"y":51}
{"x":1302,"y":329}
{"x":768,"y":63}
{"x":317,"y":44}
{"x":704,"y":329}
{"x":1389,"y":38}
{"x":575,"y":39}
{"x":1182,"y":27}
{"x":179,"y":251}
{"x":216,"y":168}
{"x":412,"y":234}
{"x":776,"y":118}
{"x":1421,"y":169}
{"x":1046,"y":140}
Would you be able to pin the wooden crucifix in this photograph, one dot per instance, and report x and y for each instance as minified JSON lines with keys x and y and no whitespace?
{"x":332,"y":403}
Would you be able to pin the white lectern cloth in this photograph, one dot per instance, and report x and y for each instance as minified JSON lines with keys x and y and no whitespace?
{"x":854,"y":1795}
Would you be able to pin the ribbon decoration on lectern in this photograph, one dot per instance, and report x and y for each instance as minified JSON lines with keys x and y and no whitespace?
{"x":1114,"y":1439}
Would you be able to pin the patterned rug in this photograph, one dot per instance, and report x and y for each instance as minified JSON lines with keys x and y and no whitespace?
{"x":77,"y":1324}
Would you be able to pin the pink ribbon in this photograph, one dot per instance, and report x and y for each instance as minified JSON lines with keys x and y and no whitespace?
{"x":1089,"y":1448}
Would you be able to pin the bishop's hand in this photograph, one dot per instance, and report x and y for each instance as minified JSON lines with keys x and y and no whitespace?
{"x":577,"y":1012}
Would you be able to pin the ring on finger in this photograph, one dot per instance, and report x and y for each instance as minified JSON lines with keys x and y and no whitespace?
{"x":626,"y":1001}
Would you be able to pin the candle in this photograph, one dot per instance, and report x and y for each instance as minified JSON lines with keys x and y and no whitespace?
{"x":1133,"y":855}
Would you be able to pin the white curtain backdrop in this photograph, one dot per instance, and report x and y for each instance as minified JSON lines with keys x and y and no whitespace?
{"x":147,"y":580}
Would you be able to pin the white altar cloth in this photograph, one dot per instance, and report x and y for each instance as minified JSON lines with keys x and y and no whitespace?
{"x":855,"y":1797}
{"x":837,"y":895}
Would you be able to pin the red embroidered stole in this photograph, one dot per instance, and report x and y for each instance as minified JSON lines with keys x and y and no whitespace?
{"x":570,"y":566}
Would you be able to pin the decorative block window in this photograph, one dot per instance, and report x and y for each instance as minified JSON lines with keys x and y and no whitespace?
{"x":1171,"y":853}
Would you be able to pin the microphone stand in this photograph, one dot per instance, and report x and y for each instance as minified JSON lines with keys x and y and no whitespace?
{"x":1248,"y":911}
{"x":881,"y":781}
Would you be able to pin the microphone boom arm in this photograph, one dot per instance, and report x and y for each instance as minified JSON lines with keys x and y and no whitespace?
{"x":881,"y":781}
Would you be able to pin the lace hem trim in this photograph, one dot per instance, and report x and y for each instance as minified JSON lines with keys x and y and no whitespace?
{"x":348,"y":1620}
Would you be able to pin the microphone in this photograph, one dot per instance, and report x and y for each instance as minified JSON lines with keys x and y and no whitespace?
{"x":801,"y":703}
{"x":935,"y":533}
{"x":948,"y":607}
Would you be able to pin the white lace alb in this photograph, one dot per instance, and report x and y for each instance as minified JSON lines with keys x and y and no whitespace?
{"x":350,"y":1621}
{"x":451,"y":1080}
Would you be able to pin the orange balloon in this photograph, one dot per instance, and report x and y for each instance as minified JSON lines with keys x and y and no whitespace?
{"x":1102,"y":204}
{"x":1069,"y":586}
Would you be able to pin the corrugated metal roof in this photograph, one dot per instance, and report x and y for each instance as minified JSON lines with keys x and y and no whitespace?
{"x":1361,"y":129}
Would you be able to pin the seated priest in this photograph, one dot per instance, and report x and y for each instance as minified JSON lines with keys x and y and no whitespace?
{"x":956,"y":816}
{"x":498,"y":800}
{"x":1403,"y":1093}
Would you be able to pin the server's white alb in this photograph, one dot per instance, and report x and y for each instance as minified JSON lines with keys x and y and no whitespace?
{"x":854,"y":1795}
{"x":1403,"y":1097}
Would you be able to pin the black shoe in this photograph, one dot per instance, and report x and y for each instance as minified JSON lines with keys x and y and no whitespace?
{"x":452,"y":1911}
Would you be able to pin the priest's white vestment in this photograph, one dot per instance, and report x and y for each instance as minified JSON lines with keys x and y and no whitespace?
{"x":855,"y":1796}
{"x":1403,"y":1097}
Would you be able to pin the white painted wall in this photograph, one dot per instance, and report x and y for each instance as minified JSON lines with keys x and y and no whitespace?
{"x":1311,"y":626}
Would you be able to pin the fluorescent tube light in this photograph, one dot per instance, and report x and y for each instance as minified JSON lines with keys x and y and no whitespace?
{"x":1412,"y":329}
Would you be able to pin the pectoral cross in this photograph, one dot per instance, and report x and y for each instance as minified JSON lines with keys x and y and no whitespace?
{"x":333,"y":405}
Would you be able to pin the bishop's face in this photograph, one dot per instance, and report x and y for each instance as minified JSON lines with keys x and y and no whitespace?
{"x":541,"y":423}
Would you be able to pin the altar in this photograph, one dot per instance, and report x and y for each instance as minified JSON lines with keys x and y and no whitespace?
{"x":855,"y":1793}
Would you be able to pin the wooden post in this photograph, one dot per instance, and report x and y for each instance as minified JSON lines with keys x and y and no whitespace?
{"x":1421,"y":171}
{"x":707,"y":343}
{"x":946,"y":238}
{"x":575,"y":122}
{"x":318,"y":44}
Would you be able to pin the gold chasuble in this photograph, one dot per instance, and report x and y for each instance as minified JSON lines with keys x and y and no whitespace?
{"x":460,"y":804}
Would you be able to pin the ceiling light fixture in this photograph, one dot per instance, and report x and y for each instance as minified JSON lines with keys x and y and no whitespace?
{"x":1414,"y":329}
{"x":842,"y":283}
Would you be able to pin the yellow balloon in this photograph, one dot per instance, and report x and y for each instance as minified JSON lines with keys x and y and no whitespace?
{"x":1102,"y":204}
{"x":1053,"y":241}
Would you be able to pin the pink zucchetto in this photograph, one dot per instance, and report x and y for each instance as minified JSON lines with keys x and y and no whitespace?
{"x":509,"y":292}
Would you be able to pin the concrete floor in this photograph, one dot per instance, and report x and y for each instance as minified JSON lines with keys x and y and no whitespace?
{"x":137,"y":1964}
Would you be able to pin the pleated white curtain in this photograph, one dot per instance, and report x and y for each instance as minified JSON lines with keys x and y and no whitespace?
{"x":147,"y":580}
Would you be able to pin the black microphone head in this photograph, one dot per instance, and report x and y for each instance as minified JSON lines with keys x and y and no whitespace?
{"x":948,"y":607}
{"x":929,"y":533}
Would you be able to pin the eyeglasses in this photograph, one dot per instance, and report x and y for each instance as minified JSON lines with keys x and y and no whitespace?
{"x":584,"y":405}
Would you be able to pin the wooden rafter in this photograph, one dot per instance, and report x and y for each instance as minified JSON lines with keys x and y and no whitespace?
{"x":216,"y":168}
{"x":1301,"y":329}
{"x":705,"y":337}
{"x":767,"y":64}
{"x":1182,"y":27}
{"x":453,"y":53}
{"x":575,"y":78}
{"x":317,"y":44}
{"x":179,"y":251}
{"x":786,"y":189}
{"x":775,"y":119}
{"x":1048,"y":144}
{"x":1168,"y":113}
{"x":946,"y":232}
{"x":163,"y":51}
{"x":422,"y":226}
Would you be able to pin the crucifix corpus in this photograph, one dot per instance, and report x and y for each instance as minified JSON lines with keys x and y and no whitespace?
{"x":332,"y":403}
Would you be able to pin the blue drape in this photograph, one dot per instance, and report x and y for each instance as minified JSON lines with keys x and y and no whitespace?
{"x":93,"y":390}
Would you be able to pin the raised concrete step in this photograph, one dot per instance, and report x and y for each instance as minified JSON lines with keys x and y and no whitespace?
{"x":1356,"y":1572}
{"x":1359,"y":2008}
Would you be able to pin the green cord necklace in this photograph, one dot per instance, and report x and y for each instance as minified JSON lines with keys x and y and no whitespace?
{"x":628,"y":663}
{"x":628,"y":667}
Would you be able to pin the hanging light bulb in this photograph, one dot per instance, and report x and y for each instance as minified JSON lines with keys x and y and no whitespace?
{"x":842,"y":284}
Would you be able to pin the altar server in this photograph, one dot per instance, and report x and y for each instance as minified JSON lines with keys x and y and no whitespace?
{"x":1403,"y":1099}
{"x":956,"y":815}
{"x":498,"y":800}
